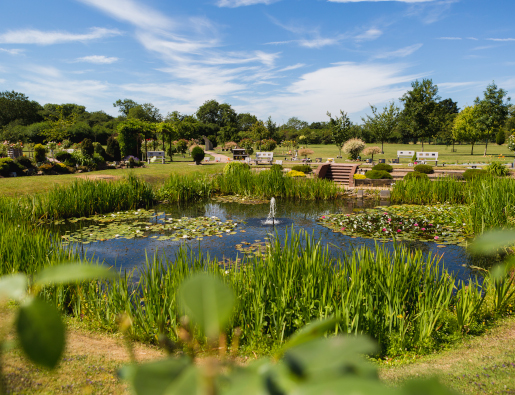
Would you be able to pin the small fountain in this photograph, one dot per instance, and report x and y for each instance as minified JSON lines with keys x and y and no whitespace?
{"x":270,"y":220}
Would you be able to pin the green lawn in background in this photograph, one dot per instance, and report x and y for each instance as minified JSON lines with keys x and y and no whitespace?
{"x":462,"y":154}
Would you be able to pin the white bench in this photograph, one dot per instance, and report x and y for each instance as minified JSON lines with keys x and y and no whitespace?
{"x":156,"y":154}
{"x":265,"y":157}
{"x":425,"y":156}
{"x":279,"y":162}
{"x":405,"y":154}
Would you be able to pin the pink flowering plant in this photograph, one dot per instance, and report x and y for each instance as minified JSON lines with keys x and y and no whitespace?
{"x":442,"y":224}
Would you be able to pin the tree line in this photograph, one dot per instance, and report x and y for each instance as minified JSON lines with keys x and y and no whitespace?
{"x":422,"y":116}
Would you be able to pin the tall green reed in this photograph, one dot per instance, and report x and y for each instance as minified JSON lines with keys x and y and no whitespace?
{"x":398,"y":297}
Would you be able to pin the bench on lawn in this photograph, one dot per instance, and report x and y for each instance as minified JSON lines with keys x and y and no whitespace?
{"x":264,"y":157}
{"x":156,"y":154}
{"x":405,"y":154}
{"x":425,"y":156}
{"x":279,"y":162}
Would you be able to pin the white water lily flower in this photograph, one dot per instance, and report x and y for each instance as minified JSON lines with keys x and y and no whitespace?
{"x":116,"y":235}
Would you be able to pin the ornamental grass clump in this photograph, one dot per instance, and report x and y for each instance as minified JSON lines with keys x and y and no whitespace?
{"x":471,"y":174}
{"x":497,"y":169}
{"x":353,"y":148}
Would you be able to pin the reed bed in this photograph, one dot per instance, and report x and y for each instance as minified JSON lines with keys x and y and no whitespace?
{"x":265,"y":184}
{"x":399,"y":297}
{"x":490,"y":200}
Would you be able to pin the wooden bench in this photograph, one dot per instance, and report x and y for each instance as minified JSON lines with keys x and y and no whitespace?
{"x":425,"y":156}
{"x":405,"y":154}
{"x":156,"y":154}
{"x":264,"y":157}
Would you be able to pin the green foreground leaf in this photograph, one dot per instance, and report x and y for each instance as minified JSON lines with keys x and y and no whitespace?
{"x":71,"y":273}
{"x":13,"y":286}
{"x":41,"y":332}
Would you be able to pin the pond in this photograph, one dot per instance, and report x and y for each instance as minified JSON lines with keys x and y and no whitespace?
{"x":238,"y":229}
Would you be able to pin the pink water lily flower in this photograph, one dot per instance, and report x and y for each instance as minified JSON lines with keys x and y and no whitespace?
{"x":389,"y":220}
{"x":323,"y":216}
{"x":436,"y":237}
{"x":384,"y":229}
{"x":416,"y":225}
{"x":399,"y":231}
{"x":343,"y":228}
{"x":423,"y":228}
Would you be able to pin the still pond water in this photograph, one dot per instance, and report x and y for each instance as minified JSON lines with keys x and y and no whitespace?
{"x":131,"y":253}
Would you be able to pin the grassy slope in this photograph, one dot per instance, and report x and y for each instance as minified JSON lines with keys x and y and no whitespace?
{"x":480,"y":365}
{"x":461,"y":155}
{"x":153,"y":173}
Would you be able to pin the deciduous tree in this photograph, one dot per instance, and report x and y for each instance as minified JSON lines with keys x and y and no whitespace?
{"x":340,"y":129}
{"x":381,"y":125}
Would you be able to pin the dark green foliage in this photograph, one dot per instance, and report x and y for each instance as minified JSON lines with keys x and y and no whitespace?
{"x":470,"y":174}
{"x":39,"y":153}
{"x":383,"y":166}
{"x":416,"y":175}
{"x":87,"y":147}
{"x":426,"y":169}
{"x":63,"y":156}
{"x":113,"y":149}
{"x":378,"y":175}
{"x":24,"y":162}
{"x":500,"y":138}
{"x":101,"y":152}
{"x":497,"y":169}
{"x":303,"y":168}
{"x":7,"y":166}
{"x":197,"y":154}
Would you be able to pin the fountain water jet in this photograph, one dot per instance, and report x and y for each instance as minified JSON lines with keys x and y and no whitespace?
{"x":270,"y":220}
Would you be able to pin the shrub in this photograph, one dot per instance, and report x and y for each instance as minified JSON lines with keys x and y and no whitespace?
{"x":24,"y":162}
{"x":417,"y":175}
{"x":267,"y":145}
{"x":82,"y":160}
{"x":62,"y":156}
{"x":497,"y":169}
{"x":197,"y":154}
{"x":359,"y":176}
{"x":277,"y":168}
{"x":295,"y":173}
{"x":40,"y":153}
{"x":8,"y":166}
{"x":61,"y":168}
{"x":371,"y":151}
{"x":353,"y":147}
{"x":383,"y":166}
{"x":230,"y":145}
{"x":248,"y":144}
{"x":474,"y":173}
{"x":511,"y":142}
{"x":235,"y":167}
{"x":66,"y":144}
{"x":305,"y":152}
{"x":181,"y":146}
{"x":87,"y":147}
{"x":378,"y":175}
{"x":426,"y":169}
{"x":113,"y":149}
{"x":46,"y":167}
{"x":306,"y":169}
{"x":500,"y":138}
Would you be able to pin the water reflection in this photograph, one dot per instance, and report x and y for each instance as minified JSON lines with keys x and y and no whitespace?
{"x":132,"y":253}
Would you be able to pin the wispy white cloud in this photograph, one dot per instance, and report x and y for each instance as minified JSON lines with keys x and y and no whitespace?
{"x":400,"y":53}
{"x":2,"y":81}
{"x":430,"y":11}
{"x":483,"y":47}
{"x":240,"y":3}
{"x":472,"y":38}
{"x":449,"y":38}
{"x":456,"y":86}
{"x":347,"y":86}
{"x":373,"y":1}
{"x":97,"y":59}
{"x":370,"y":34}
{"x":501,"y":39}
{"x":292,"y":67}
{"x":133,"y":12}
{"x":14,"y":51}
{"x":29,"y":36}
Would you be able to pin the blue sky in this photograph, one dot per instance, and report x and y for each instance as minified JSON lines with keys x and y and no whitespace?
{"x":281,"y":58}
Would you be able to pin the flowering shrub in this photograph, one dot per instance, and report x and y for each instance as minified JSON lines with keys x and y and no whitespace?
{"x":305,"y":152}
{"x":230,"y":145}
{"x":353,"y":147}
{"x":267,"y":145}
{"x":359,"y":176}
{"x":511,"y":142}
{"x":371,"y":151}
{"x":295,"y":173}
